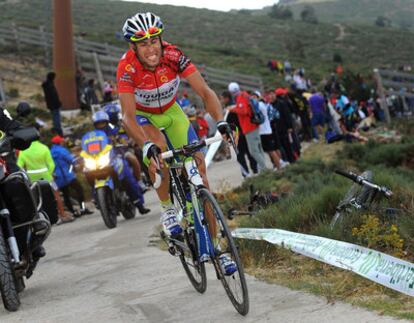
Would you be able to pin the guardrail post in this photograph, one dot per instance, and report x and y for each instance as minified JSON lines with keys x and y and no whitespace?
{"x":45,"y":45}
{"x":16,"y":37}
{"x":380,"y":90}
{"x":98,"y":71}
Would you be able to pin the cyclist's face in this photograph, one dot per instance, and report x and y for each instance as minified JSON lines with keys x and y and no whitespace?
{"x":149,"y":52}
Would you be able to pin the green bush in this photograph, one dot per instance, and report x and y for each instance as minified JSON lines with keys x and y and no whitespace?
{"x":13,"y":92}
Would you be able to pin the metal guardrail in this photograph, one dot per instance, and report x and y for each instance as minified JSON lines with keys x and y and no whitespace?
{"x":91,"y":55}
{"x":394,"y":83}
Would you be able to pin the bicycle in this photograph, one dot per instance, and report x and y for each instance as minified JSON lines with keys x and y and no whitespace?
{"x":202,"y":241}
{"x":360,"y":196}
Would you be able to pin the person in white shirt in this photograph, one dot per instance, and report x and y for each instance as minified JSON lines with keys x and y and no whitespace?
{"x":265,"y":130}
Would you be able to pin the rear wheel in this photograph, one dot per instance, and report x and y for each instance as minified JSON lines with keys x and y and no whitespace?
{"x":235,"y":284}
{"x":106,"y":206}
{"x":8,"y":288}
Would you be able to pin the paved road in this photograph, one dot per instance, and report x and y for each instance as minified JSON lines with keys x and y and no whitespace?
{"x":92,"y":274}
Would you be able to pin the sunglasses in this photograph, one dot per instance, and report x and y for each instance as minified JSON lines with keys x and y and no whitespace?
{"x":151,"y":32}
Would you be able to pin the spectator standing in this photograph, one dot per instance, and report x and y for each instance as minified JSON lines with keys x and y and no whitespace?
{"x":65,"y":178}
{"x":52,"y":101}
{"x":265,"y":130}
{"x":249,"y":129}
{"x":243,"y":151}
{"x":301,"y":108}
{"x":107,"y":92}
{"x":90,"y":94}
{"x":318,"y":108}
{"x":183,"y":99}
{"x":284,"y":125}
{"x":202,"y":125}
{"x":38,"y":163}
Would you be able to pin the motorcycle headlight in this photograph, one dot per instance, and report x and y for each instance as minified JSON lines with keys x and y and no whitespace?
{"x":104,"y":160}
{"x":90,"y":163}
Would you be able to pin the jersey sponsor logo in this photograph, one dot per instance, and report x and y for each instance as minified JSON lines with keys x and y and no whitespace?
{"x":129,"y":68}
{"x":126,"y":78}
{"x":154,"y":98}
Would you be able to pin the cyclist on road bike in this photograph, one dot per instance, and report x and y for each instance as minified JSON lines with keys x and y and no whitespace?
{"x":148,"y":79}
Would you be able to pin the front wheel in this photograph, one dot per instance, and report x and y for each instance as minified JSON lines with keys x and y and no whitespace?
{"x":128,"y":208}
{"x":195,"y":270}
{"x":106,"y":206}
{"x":235,"y":284}
{"x":8,"y":288}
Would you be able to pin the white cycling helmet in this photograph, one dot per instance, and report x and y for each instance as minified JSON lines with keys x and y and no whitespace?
{"x":142,"y":26}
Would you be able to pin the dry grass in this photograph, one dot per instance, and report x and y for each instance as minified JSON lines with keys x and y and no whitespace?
{"x":280,"y":266}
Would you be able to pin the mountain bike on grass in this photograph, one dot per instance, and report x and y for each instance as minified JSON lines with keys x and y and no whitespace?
{"x":360,"y":196}
{"x":202,"y":240}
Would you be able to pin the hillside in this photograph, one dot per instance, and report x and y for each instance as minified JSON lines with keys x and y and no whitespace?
{"x":237,"y":41}
{"x":400,"y":12}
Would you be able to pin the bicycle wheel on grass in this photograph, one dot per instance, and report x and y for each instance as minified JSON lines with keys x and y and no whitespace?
{"x":195,"y":270}
{"x":235,"y":284}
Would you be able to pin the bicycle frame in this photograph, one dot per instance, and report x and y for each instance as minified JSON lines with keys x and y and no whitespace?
{"x":204,"y":244}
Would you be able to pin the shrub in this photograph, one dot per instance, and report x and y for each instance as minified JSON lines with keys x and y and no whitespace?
{"x":13,"y":92}
{"x":378,"y":235}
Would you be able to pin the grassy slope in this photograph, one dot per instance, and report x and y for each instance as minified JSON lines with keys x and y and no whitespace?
{"x":314,"y":191}
{"x":360,"y":11}
{"x":234,"y":40}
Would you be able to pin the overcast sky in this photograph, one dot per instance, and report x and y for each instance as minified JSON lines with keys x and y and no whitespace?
{"x":222,"y":5}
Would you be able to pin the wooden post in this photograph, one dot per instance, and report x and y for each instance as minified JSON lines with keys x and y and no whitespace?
{"x":98,"y":72}
{"x":16,"y":38}
{"x":380,"y":91}
{"x":63,"y":53}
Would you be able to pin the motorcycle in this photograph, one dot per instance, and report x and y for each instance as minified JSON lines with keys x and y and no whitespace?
{"x":101,"y":165}
{"x":27,"y":211}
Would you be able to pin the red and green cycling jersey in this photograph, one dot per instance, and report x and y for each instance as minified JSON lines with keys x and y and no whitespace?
{"x":155,"y":91}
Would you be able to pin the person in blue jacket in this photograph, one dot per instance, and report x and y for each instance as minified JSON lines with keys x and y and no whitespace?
{"x":65,"y":178}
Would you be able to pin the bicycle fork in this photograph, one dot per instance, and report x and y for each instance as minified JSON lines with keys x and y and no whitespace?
{"x":204,"y":244}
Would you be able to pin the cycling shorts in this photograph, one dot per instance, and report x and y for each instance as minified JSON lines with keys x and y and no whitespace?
{"x":175,"y":124}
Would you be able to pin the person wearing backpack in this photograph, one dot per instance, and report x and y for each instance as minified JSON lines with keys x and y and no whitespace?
{"x":243,"y":108}
{"x":266,"y":136}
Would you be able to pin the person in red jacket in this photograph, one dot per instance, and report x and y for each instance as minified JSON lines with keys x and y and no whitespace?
{"x":249,"y":129}
{"x":202,"y":125}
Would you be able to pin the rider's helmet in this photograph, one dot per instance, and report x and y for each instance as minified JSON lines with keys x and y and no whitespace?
{"x":100,"y":119}
{"x":23,"y":109}
{"x":113,"y":111}
{"x":142,"y":26}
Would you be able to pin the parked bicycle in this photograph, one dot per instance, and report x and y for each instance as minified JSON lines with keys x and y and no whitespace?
{"x":360,"y":196}
{"x":202,"y":241}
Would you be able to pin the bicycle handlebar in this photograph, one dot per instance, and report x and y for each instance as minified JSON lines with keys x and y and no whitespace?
{"x":351,"y":176}
{"x":186,"y":150}
{"x":363,"y":181}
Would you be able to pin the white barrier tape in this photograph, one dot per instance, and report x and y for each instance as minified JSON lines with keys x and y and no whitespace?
{"x":381,"y":268}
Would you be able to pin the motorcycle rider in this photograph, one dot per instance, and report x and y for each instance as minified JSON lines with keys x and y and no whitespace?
{"x":101,"y":122}
{"x":118,"y":133}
